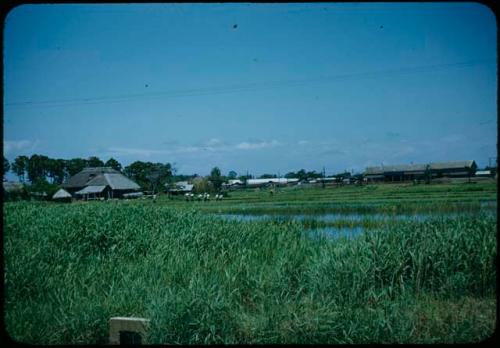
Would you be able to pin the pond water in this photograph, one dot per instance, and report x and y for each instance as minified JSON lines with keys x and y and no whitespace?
{"x":349,"y":217}
{"x":335,"y":232}
{"x":349,"y":232}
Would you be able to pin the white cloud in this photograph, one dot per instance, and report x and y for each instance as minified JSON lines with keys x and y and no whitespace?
{"x":16,"y":146}
{"x":303,"y":142}
{"x":214,"y":142}
{"x":125,"y":151}
{"x":213,"y":145}
{"x":257,"y":145}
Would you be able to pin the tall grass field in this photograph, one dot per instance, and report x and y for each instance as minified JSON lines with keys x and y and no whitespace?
{"x":201,"y":279}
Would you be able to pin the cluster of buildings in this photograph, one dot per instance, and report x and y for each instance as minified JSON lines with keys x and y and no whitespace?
{"x":106,"y":183}
{"x":391,"y":173}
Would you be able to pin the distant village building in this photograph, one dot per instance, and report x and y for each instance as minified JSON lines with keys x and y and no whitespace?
{"x":100,"y":182}
{"x":484,"y":173}
{"x":270,"y":182}
{"x":180,"y":187}
{"x":11,"y":186}
{"x":233,"y":184}
{"x":407,"y":172}
{"x":458,"y":169}
{"x":62,"y":196}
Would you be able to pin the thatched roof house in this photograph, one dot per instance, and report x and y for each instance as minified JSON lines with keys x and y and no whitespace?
{"x":100,"y":182}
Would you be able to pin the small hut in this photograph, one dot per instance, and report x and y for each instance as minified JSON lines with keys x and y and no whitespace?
{"x":62,"y":196}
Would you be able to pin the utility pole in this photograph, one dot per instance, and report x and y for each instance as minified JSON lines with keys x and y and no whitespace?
{"x":323,"y":181}
{"x":279,"y":181}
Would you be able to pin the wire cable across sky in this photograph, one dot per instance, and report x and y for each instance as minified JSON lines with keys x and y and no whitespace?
{"x":248,"y":87}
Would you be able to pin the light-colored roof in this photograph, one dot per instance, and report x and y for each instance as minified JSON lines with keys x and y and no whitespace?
{"x":83,"y":177}
{"x":180,"y":186}
{"x":374,"y":171}
{"x":133,"y":194}
{"x":409,"y":168}
{"x":404,"y":168}
{"x":91,"y":189}
{"x":116,"y":181}
{"x":452,"y":165}
{"x":483,"y":172}
{"x":61,"y":193}
{"x":234,"y":182}
{"x":11,"y":186}
{"x":270,"y":180}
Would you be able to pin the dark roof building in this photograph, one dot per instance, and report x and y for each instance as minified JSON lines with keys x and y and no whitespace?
{"x":457,"y":168}
{"x":405,"y":172}
{"x":80,"y":179}
{"x":100,"y":182}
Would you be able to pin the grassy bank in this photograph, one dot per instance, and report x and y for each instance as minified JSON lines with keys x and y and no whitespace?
{"x":398,"y":199}
{"x":69,"y":268}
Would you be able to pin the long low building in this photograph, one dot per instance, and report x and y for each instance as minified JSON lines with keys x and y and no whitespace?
{"x":406,"y":172}
{"x":270,"y":181}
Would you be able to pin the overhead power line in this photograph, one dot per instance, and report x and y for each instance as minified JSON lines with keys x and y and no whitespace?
{"x":248,"y":87}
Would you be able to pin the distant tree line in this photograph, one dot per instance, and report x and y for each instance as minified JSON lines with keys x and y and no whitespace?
{"x":52,"y":170}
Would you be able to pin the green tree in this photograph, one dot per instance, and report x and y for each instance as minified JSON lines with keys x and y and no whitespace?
{"x":41,"y":187}
{"x":20,"y":167}
{"x":202,"y":185}
{"x":291,"y":175}
{"x":232,"y":175}
{"x":6,"y":166}
{"x":158,"y":175}
{"x":314,"y":175}
{"x":113,"y":164}
{"x":245,"y":177}
{"x":56,"y":170}
{"x":75,"y":165}
{"x":94,"y":161}
{"x":38,"y":167}
{"x":149,"y":175}
{"x":267,"y":176}
{"x":216,"y":178}
{"x":137,"y":171}
{"x":302,"y":174}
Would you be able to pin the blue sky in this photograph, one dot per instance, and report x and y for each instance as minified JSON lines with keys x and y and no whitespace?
{"x":267,"y":88}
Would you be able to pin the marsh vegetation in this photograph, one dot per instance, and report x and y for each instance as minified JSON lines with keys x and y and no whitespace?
{"x":202,"y":279}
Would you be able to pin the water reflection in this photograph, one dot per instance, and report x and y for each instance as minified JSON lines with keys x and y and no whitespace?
{"x":353,"y":231}
{"x":349,"y":217}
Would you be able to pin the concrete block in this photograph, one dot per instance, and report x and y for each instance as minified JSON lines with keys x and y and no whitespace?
{"x":127,"y":330}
